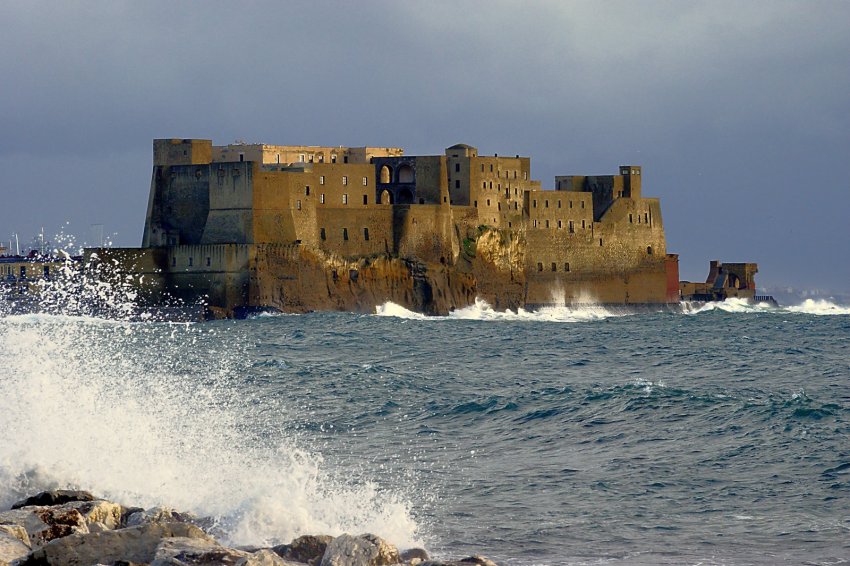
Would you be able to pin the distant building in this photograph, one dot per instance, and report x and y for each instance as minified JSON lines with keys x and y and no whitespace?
{"x":252,"y":226}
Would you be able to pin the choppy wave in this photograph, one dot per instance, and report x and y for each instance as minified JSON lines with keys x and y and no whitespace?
{"x":819,"y":307}
{"x":142,"y":413}
{"x":481,"y":310}
{"x":743,"y":306}
{"x":393,"y":310}
{"x":733,"y":305}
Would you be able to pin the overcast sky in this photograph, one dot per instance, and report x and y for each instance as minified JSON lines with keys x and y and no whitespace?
{"x":739,"y":112}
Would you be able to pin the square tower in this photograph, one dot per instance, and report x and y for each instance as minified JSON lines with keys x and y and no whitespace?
{"x":631,"y":180}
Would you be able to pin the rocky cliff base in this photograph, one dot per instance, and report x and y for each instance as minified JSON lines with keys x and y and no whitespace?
{"x":74,"y":528}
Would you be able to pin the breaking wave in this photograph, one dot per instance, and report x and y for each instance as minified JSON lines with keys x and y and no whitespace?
{"x":393,"y":310}
{"x":819,"y":307}
{"x":155,"y":414}
{"x":735,"y":305}
{"x":481,"y":310}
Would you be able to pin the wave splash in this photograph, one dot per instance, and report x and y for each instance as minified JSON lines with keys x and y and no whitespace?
{"x":481,"y":310}
{"x":819,"y":307}
{"x":736,"y":305}
{"x":150,"y":414}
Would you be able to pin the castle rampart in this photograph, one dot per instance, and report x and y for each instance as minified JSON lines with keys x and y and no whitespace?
{"x":239,"y":220}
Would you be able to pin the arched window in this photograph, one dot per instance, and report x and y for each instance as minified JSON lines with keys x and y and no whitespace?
{"x":386,"y":174}
{"x":405,"y":174}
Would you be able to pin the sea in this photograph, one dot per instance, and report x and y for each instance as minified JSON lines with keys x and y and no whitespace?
{"x":714,"y":434}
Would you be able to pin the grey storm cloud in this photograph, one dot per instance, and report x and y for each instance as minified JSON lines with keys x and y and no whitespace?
{"x":738,"y":112}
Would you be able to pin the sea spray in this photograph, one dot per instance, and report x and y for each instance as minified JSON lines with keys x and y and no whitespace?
{"x":481,"y":310}
{"x":142,"y":414}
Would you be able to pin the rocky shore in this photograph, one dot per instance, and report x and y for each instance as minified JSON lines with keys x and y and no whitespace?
{"x":74,"y":528}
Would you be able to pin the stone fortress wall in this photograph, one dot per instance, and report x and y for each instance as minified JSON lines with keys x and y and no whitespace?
{"x":308,"y":227}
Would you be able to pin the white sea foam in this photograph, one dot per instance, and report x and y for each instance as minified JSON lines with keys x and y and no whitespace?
{"x":819,"y":307}
{"x":398,"y":311}
{"x":732,"y":305}
{"x":142,"y":413}
{"x":481,"y":310}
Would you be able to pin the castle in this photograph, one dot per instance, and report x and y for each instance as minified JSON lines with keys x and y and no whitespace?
{"x":299,"y":228}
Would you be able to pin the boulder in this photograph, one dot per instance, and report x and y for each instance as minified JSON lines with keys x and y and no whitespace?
{"x":363,"y":550}
{"x":308,"y":549}
{"x":54,"y":497}
{"x":154,"y":515}
{"x":266,"y":557}
{"x":12,"y":545}
{"x":44,"y":524}
{"x":105,"y":513}
{"x":184,"y":551}
{"x":414,"y":556}
{"x":132,"y":544}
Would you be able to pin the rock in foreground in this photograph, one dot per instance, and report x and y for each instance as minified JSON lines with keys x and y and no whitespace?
{"x":73,"y":528}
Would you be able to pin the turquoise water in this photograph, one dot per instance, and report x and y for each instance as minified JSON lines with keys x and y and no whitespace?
{"x":714,"y":436}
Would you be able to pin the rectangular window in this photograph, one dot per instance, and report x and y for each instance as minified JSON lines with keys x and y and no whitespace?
{"x":345,"y":199}
{"x":457,"y":184}
{"x":554,"y":266}
{"x":488,"y":202}
{"x":345,"y":234}
{"x":484,"y":185}
{"x":559,"y":204}
{"x":491,"y":168}
{"x":546,"y":203}
{"x":301,"y":158}
{"x":333,"y":158}
{"x":572,"y":231}
{"x":307,"y":190}
{"x":457,"y":167}
{"x":345,"y":159}
{"x":366,"y":234}
{"x":322,"y":234}
{"x":547,"y":223}
{"x":190,"y":262}
{"x":365,"y":199}
{"x":534,"y":204}
{"x":209,"y":261}
{"x":539,"y":266}
{"x":322,"y":198}
{"x":582,"y":204}
{"x":365,"y":181}
{"x":559,"y":224}
{"x":344,"y":179}
{"x":322,"y":180}
{"x":525,"y":175}
{"x":298,"y":204}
